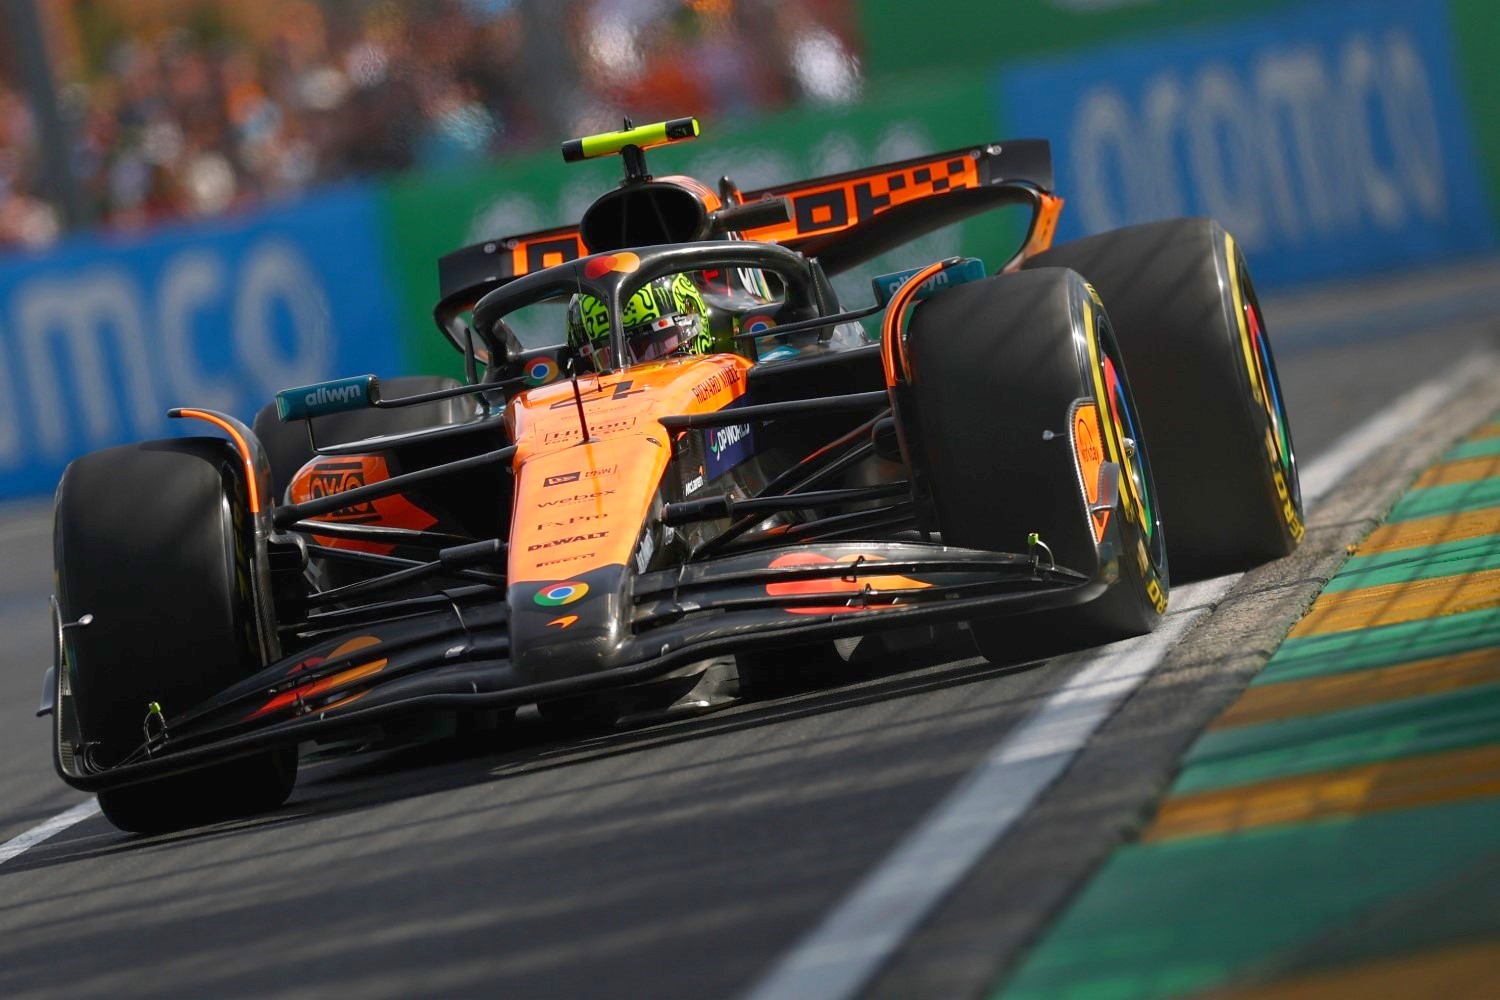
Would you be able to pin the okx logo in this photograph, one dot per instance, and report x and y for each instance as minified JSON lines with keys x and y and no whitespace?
{"x":330,"y":478}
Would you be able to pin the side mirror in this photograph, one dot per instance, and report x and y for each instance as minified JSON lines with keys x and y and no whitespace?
{"x":322,"y":398}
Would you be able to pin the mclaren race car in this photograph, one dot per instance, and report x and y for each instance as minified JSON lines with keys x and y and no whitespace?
{"x":713,"y":468}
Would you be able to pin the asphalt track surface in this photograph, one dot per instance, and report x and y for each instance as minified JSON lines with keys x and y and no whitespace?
{"x":683,"y":859}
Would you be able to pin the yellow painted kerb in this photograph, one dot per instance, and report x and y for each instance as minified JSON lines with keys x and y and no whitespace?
{"x":1432,"y":531}
{"x":1341,"y":692}
{"x":1404,"y":783}
{"x":1461,"y":972}
{"x":1394,"y":603}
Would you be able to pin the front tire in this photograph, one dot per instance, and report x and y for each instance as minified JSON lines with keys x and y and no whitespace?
{"x":242,"y":787}
{"x":998,"y":366}
{"x":154,"y":541}
{"x":1191,"y":328}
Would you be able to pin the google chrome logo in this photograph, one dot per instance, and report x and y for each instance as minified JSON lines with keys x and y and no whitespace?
{"x":541,"y":371}
{"x":561,"y":593}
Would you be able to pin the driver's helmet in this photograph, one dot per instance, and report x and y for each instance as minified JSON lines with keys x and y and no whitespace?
{"x":665,"y":316}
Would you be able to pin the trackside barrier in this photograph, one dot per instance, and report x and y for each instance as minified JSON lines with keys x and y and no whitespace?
{"x":98,"y":338}
{"x":1333,"y":139}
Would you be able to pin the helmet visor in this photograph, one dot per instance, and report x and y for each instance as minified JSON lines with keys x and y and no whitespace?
{"x":661,"y":337}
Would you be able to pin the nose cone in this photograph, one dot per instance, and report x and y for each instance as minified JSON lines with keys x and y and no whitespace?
{"x":578,"y":518}
{"x":571,"y":627}
{"x":582,"y":501}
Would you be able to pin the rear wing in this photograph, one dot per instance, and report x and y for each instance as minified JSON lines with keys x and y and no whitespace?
{"x":842,"y":219}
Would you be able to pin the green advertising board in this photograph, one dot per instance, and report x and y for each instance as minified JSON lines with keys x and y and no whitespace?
{"x":901,"y":38}
{"x":1476,"y":33}
{"x":430,"y":215}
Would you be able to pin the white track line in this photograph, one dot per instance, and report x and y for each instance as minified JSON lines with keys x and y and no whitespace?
{"x":857,"y":937}
{"x":840,"y":955}
{"x":57,"y":824}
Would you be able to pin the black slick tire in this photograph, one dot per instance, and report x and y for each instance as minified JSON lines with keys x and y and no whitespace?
{"x":154,"y":541}
{"x":233,"y":789}
{"x":997,"y":367}
{"x":1186,"y":316}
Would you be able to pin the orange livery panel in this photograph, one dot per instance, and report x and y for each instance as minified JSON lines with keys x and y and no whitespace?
{"x":580,"y":502}
{"x":332,"y":475}
{"x":831,"y":205}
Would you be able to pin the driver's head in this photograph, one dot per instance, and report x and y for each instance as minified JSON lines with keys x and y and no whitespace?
{"x":664,"y":317}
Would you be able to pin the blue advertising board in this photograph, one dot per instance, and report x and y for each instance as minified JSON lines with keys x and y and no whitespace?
{"x":1330,"y":138}
{"x":99,"y":338}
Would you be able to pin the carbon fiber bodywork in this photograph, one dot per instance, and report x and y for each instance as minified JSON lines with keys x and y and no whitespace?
{"x":617,"y":528}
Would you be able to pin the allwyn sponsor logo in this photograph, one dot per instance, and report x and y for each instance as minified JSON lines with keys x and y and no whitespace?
{"x":337,"y":394}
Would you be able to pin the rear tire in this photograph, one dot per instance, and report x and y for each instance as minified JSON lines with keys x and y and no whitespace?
{"x":997,"y":364}
{"x":286,"y":444}
{"x":163,"y":565}
{"x":1184,"y":309}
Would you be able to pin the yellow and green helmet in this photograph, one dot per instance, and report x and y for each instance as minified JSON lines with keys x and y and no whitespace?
{"x":665,"y":316}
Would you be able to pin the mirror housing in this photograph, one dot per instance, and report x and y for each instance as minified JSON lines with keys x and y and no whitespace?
{"x":322,"y":398}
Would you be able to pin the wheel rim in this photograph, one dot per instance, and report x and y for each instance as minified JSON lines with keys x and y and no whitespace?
{"x":1119,"y":412}
{"x":1126,"y":426}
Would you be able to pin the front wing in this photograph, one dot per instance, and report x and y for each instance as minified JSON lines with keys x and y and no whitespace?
{"x":452,"y":651}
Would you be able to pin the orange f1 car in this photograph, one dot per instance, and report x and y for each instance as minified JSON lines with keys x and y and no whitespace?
{"x":713,"y":472}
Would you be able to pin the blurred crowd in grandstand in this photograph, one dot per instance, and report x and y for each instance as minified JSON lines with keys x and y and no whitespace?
{"x":190,"y":108}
